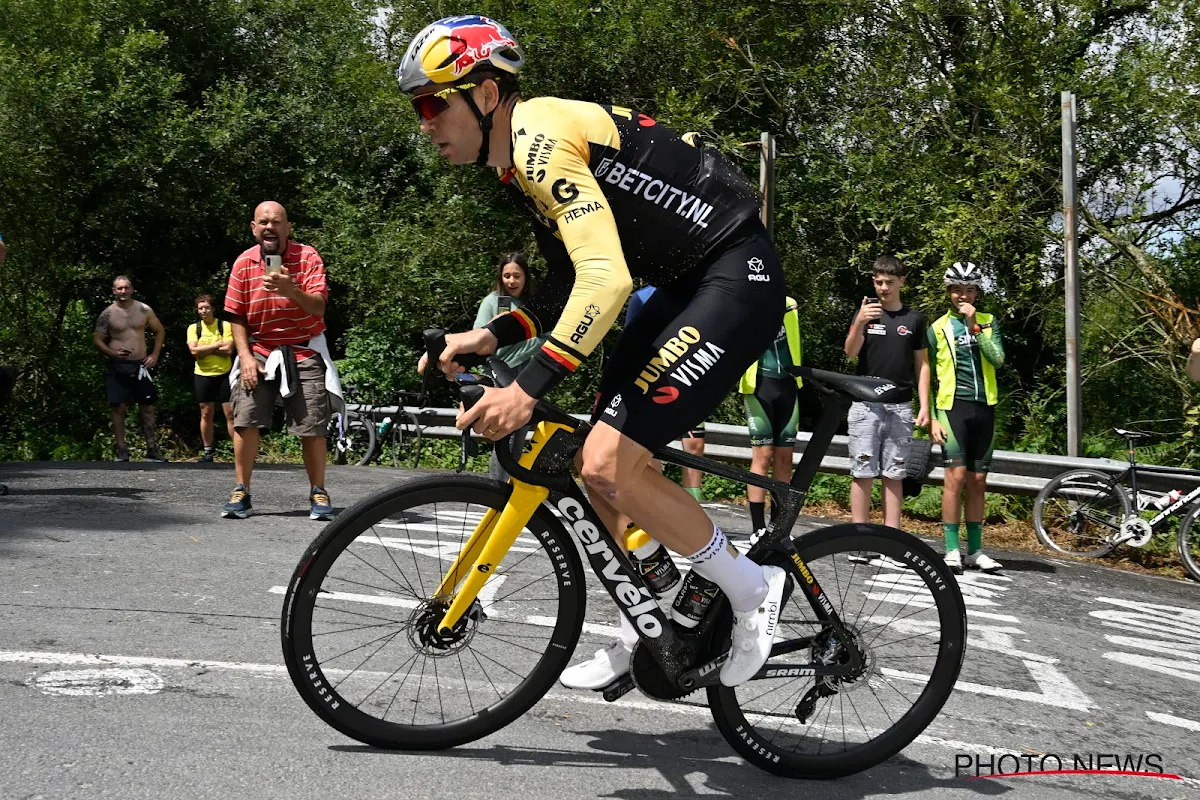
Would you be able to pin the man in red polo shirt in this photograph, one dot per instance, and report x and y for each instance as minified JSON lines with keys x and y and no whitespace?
{"x":281,"y":304}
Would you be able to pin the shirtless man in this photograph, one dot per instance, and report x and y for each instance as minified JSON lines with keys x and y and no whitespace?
{"x":121,"y":335}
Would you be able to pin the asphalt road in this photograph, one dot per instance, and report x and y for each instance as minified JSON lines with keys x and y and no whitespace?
{"x":140,"y":658}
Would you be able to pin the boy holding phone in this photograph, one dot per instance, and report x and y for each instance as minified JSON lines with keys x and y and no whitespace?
{"x":888,"y":340}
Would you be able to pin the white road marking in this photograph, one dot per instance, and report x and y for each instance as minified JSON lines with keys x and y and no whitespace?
{"x":1178,"y":722}
{"x":569,"y":697}
{"x":88,"y":659}
{"x":585,"y":698}
{"x":487,"y":594}
{"x":1170,"y":633}
{"x":1055,"y":688}
{"x":96,"y":682}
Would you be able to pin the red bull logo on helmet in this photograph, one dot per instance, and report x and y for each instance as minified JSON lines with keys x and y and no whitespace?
{"x":473,"y":39}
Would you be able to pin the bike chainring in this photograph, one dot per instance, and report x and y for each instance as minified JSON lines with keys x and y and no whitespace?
{"x":1137,"y":530}
{"x":650,"y":679}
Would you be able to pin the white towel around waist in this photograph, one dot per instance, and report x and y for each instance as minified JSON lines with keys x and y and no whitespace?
{"x":275,"y":371}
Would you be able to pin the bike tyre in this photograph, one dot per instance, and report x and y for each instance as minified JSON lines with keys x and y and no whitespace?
{"x":1189,"y":556}
{"x":1110,"y":490}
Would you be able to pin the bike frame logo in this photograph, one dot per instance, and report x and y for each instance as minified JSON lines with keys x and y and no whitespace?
{"x":638,"y":601}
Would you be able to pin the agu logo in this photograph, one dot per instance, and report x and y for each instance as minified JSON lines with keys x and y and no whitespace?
{"x":756,"y":267}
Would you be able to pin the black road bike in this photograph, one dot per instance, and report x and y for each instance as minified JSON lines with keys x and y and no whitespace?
{"x":359,"y":437}
{"x":436,"y":612}
{"x":1088,"y":513}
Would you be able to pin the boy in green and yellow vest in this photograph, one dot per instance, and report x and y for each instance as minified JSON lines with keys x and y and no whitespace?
{"x":772,"y":410}
{"x":965,"y":348}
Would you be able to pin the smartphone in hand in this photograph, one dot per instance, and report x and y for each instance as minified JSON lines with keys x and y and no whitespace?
{"x":274,"y":264}
{"x":504,"y":303}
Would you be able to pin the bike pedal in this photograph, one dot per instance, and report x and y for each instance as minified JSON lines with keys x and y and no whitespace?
{"x":618,"y":688}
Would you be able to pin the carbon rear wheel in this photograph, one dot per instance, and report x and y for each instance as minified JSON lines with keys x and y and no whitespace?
{"x":906,"y":615}
{"x":1079,"y":513}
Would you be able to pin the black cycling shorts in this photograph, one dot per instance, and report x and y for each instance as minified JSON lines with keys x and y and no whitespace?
{"x":691,"y":342}
{"x":211,"y":388}
{"x":970,"y":435}
{"x":773,"y":412}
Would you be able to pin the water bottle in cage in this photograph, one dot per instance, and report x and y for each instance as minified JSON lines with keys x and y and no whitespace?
{"x":654,"y":562}
{"x":1167,"y":499}
{"x":385,"y":426}
{"x":695,"y":597}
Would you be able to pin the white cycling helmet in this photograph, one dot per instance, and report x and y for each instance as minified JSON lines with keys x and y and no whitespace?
{"x":963,"y":274}
{"x":451,"y":48}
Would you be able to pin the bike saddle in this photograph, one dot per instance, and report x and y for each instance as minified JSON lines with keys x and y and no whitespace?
{"x":859,"y":387}
{"x":1130,"y":434}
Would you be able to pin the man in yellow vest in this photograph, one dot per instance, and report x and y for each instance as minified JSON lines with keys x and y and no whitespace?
{"x":965,"y":348}
{"x":772,"y":410}
{"x":210,"y":341}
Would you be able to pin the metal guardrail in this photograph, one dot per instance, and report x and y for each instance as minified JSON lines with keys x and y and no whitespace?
{"x":1011,"y":472}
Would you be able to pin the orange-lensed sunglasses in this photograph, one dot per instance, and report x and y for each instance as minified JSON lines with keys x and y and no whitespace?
{"x":430,"y":105}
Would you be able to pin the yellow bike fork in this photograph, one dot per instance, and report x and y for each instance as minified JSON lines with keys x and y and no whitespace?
{"x":493,"y":536}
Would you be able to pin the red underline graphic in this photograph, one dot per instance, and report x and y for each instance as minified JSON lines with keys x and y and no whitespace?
{"x":1167,"y":775}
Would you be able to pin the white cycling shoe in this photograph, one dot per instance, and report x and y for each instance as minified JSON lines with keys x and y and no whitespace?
{"x":980,"y":561}
{"x":602,"y":669}
{"x":754,"y":632}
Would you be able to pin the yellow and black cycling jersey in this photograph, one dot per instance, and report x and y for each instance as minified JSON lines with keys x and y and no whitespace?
{"x":616,"y":196}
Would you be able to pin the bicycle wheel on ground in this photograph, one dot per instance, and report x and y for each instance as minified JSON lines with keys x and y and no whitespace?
{"x":1189,"y":543}
{"x":359,"y":622}
{"x":1079,"y":513}
{"x":356,"y":442}
{"x":905,"y":613}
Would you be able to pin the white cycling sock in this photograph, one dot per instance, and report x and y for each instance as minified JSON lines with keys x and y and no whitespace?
{"x":740,"y":578}
{"x":628,"y":634}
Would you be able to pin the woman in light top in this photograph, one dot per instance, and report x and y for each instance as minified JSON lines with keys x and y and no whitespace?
{"x":513,"y":284}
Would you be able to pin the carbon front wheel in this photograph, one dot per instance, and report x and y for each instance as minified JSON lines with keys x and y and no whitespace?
{"x":360,"y":622}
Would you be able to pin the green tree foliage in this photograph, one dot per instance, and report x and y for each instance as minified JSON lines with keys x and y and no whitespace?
{"x":136,"y":136}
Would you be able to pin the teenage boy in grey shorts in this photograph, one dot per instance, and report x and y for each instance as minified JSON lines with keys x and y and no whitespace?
{"x":888,"y":339}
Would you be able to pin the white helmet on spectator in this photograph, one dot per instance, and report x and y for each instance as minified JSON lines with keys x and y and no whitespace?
{"x":963,"y":274}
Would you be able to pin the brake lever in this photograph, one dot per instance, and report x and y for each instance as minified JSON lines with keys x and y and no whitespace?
{"x":471,"y":393}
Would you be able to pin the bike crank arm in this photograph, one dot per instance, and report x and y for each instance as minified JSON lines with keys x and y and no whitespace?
{"x":618,"y":688}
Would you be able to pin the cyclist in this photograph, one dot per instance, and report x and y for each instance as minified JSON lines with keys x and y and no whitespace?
{"x":965,"y":348}
{"x":772,"y":410}
{"x":614,"y":195}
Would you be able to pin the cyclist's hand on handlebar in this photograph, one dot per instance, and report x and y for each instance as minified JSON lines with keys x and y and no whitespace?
{"x":937,"y":432}
{"x":480,"y":341}
{"x":499,"y":413}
